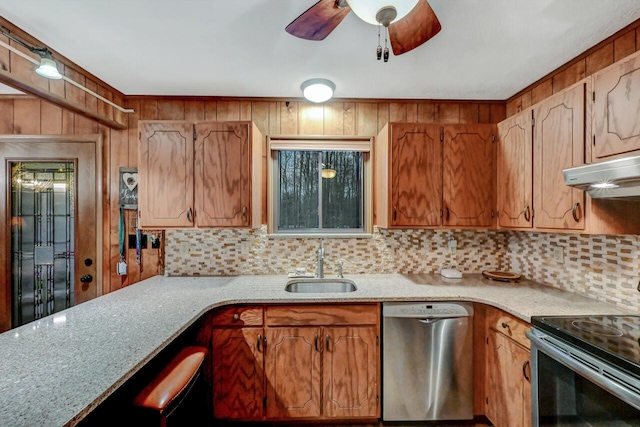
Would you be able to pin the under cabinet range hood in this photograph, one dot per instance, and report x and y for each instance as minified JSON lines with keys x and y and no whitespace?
{"x":610,"y":179}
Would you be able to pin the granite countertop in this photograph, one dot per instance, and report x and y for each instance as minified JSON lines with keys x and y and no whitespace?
{"x":56,"y":370}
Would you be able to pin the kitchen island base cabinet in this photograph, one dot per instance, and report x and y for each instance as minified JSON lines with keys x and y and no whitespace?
{"x":302,"y":362}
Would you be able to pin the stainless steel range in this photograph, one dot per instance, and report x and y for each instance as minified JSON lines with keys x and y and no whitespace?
{"x":585,"y":370}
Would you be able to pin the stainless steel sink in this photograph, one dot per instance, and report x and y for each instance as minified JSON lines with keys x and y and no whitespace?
{"x":315,"y":286}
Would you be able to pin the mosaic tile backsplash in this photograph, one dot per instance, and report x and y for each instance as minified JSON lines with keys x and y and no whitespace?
{"x":231,"y":252}
{"x":606,"y":268}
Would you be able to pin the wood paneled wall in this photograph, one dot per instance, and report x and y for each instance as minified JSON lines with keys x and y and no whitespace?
{"x":613,"y":49}
{"x":32,"y":116}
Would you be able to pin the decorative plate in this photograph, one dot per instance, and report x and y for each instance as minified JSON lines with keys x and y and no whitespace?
{"x":501,"y":276}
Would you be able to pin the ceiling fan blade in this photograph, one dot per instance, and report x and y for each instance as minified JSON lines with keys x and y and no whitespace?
{"x":318,"y":21}
{"x":414,"y":29}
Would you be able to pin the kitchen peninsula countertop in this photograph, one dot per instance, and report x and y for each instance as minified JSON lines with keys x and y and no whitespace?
{"x":56,"y":370}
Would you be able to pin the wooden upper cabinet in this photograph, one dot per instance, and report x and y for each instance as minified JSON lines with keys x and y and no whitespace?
{"x":165,"y":170}
{"x":205,"y":175}
{"x":515,"y":151}
{"x":415,"y":175}
{"x":617,"y":109}
{"x":223,"y":174}
{"x":558,"y":141}
{"x":468,"y":175}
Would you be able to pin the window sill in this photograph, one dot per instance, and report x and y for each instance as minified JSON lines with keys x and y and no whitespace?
{"x":320,"y":236}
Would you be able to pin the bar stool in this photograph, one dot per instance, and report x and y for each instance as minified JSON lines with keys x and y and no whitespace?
{"x":169,"y":388}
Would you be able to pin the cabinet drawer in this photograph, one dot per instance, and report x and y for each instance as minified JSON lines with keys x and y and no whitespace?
{"x":509,"y":326}
{"x":238,"y":316}
{"x":317,"y":314}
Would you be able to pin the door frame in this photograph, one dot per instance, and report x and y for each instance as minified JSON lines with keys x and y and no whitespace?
{"x":5,"y":201}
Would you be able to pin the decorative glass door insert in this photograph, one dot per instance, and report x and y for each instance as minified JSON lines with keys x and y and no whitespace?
{"x":42,"y":239}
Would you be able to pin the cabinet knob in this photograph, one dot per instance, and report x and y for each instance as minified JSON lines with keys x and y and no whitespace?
{"x":236,"y":316}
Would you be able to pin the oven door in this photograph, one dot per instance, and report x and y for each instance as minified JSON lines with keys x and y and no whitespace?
{"x":570,"y":387}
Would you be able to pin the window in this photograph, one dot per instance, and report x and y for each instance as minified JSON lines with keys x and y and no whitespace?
{"x":319,"y":186}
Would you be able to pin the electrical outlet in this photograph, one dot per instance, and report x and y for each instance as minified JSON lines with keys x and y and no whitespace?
{"x":453,"y":245}
{"x":558,"y":254}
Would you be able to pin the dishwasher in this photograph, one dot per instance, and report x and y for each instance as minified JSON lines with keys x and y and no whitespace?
{"x":427,"y":366}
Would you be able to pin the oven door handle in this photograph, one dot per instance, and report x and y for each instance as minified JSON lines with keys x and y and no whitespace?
{"x":587,"y":366}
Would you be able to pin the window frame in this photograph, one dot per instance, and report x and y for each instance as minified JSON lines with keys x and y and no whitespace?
{"x":320,"y":143}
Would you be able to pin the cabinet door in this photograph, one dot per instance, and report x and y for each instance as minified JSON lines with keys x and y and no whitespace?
{"x":223,"y":174}
{"x":468,"y":177}
{"x":350,"y":372}
{"x":416,"y":175}
{"x":238,"y":373}
{"x":508,"y":391}
{"x":515,"y":171}
{"x":617,"y":109}
{"x":165,"y":174}
{"x":292,"y":368}
{"x":558,"y":141}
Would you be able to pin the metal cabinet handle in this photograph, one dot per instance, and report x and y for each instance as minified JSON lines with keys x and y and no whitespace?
{"x":525,"y":365}
{"x":574,"y":211}
{"x":259,"y":342}
{"x":236,"y":316}
{"x":395,"y":213}
{"x":327,"y":342}
{"x":264,"y":343}
{"x":505,"y":325}
{"x":446,"y":214}
{"x":190,"y":215}
{"x":244,"y":214}
{"x":527,"y":214}
{"x":317,"y":342}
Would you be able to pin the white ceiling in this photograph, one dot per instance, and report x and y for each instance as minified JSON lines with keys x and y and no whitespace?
{"x":487,"y":49}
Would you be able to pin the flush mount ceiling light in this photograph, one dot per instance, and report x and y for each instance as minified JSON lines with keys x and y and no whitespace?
{"x":318,"y":90}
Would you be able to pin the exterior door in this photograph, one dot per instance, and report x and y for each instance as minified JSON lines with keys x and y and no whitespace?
{"x":50,"y":185}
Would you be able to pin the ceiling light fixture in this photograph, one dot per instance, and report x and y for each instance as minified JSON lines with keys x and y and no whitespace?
{"x":381,"y":11}
{"x":48,"y":67}
{"x":318,"y":90}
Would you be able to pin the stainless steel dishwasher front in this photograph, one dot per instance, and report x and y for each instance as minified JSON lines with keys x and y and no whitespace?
{"x":427,"y":369}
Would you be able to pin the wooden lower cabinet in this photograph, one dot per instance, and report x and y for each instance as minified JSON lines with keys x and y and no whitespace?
{"x":238,"y":374}
{"x":306,"y":362}
{"x":507,"y":376}
{"x":292,"y":369}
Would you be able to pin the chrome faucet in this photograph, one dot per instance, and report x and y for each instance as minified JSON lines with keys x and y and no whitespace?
{"x":320,"y":261}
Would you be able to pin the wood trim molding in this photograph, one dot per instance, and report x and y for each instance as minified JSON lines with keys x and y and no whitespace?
{"x":21,"y":84}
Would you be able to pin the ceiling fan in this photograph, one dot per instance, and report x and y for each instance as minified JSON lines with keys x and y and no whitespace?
{"x":409,"y":23}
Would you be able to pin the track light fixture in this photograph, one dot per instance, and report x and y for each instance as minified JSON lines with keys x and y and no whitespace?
{"x":48,"y":67}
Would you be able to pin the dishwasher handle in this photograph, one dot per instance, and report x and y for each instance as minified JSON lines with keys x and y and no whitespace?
{"x":429,"y":320}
